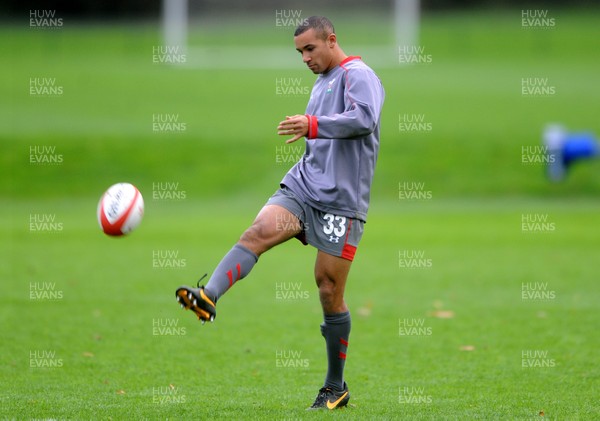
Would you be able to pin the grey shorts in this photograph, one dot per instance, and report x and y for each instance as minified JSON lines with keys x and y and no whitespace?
{"x":334,"y":234}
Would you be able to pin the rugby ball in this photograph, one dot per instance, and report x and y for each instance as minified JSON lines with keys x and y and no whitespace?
{"x":120,"y":209}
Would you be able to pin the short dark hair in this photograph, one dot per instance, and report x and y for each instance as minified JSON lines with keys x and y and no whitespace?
{"x":322,"y":26}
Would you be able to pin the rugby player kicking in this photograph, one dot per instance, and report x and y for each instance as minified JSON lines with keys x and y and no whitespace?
{"x":325,"y":195}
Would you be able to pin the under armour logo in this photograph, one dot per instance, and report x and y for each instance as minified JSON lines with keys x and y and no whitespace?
{"x":333,"y":239}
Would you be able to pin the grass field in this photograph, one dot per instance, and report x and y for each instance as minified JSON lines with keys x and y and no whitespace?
{"x":478,"y":302}
{"x":106,"y":326}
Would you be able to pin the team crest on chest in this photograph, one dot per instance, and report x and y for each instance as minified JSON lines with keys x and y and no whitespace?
{"x":329,"y":85}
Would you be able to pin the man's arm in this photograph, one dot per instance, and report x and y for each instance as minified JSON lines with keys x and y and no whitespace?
{"x":363,"y":100}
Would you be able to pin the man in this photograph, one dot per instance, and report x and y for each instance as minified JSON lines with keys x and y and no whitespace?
{"x":325,"y":195}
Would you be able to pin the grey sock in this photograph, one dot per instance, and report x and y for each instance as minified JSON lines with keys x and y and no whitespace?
{"x":336,"y":330}
{"x":234,"y":266}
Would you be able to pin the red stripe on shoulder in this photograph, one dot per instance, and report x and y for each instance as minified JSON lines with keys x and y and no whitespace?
{"x":348,"y":59}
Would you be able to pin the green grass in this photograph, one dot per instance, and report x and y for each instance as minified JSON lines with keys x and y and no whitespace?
{"x":470,"y":94}
{"x":100,"y":327}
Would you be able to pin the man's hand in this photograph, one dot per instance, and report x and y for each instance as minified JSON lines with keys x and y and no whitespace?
{"x":296,"y":125}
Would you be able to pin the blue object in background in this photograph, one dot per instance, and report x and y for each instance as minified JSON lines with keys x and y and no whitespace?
{"x":579,"y":145}
{"x":565,"y":148}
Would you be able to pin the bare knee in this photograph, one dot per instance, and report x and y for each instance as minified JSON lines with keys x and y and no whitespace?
{"x":331,"y":295}
{"x":254,"y":238}
{"x":326,"y":292}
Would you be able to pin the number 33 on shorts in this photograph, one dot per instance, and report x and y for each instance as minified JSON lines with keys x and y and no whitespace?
{"x":334,"y":226}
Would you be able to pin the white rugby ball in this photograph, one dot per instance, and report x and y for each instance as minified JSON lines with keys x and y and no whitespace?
{"x":120,"y":209}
